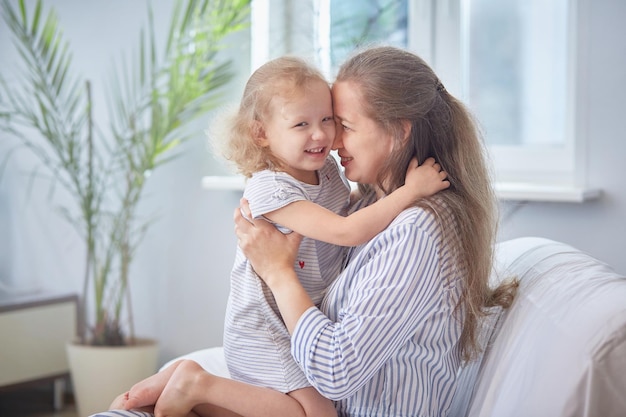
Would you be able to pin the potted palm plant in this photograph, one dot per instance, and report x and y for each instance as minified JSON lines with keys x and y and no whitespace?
{"x":49,"y":110}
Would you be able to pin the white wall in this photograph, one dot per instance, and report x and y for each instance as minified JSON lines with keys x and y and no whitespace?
{"x":180,"y":278}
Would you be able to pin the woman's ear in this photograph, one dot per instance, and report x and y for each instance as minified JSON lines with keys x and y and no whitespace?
{"x":258,"y":134}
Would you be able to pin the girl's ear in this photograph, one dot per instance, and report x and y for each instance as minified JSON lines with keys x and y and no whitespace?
{"x":258,"y":134}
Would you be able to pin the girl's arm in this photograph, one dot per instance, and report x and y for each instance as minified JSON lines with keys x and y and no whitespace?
{"x":316,"y":222}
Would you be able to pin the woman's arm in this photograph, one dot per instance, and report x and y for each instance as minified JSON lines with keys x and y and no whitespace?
{"x":316,"y":222}
{"x":273,"y":255}
{"x":387,"y":295}
{"x":395,"y":289}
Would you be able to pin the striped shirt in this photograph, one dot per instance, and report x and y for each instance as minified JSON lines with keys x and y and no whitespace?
{"x":385,"y":341}
{"x":256,"y":341}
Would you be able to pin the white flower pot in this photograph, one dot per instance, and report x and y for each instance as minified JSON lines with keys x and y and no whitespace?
{"x":101,"y":373}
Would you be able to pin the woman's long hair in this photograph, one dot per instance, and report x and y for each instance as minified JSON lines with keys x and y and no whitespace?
{"x":397,"y":86}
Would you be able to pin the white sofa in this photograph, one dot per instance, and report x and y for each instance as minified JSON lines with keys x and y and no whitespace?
{"x":560,"y":350}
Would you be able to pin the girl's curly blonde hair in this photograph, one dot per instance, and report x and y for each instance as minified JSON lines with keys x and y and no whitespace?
{"x":284,"y":76}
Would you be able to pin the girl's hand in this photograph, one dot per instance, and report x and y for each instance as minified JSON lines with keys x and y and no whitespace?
{"x":269,"y":251}
{"x":427,"y":179}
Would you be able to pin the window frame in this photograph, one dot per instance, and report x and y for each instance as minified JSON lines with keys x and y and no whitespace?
{"x":530,"y":172}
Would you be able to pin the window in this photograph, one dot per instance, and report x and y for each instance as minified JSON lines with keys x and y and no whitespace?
{"x":518,"y":78}
{"x":356,"y":22}
{"x":512,"y":63}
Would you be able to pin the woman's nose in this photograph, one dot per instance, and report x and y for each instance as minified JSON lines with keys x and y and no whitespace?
{"x":337,"y":143}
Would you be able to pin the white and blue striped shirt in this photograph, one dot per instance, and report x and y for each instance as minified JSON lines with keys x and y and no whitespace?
{"x":386,"y":341}
{"x":256,"y":342}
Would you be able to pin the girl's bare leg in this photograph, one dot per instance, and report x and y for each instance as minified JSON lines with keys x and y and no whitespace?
{"x":313,"y":403}
{"x":190,"y":387}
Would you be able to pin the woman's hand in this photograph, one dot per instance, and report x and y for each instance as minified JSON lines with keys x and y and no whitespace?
{"x":269,"y":251}
{"x":273,"y":256}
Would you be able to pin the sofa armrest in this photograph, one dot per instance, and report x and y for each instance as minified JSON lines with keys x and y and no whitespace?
{"x":560,"y":350}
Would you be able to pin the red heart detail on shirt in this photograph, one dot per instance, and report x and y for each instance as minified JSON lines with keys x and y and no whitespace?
{"x":301,"y":263}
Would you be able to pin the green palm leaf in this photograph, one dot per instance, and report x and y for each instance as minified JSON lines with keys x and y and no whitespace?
{"x":153,"y":98}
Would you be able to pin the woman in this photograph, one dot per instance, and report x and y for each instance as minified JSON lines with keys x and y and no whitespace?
{"x":396,"y":325}
{"x":394,"y":328}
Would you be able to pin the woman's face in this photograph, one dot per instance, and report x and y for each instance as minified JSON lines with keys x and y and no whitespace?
{"x":362,"y":144}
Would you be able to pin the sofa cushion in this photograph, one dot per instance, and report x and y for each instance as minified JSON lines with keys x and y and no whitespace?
{"x":210,"y":359}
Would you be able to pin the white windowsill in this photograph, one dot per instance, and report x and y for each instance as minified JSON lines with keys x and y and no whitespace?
{"x":506,"y":191}
{"x":514,"y":191}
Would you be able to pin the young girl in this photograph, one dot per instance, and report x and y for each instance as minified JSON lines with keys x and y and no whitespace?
{"x":281,"y":139}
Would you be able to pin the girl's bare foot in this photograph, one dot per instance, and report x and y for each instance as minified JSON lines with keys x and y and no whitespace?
{"x":119,"y":402}
{"x":146,"y":393}
{"x":183,"y":390}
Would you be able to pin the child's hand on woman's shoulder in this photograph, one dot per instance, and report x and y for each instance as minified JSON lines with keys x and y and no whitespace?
{"x":426,"y":179}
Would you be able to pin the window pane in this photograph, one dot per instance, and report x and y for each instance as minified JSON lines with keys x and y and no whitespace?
{"x":518,"y":70}
{"x":515,"y":66}
{"x":357,"y":22}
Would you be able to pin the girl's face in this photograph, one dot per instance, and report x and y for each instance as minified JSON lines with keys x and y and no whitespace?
{"x":300,"y":130}
{"x":362,"y":144}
